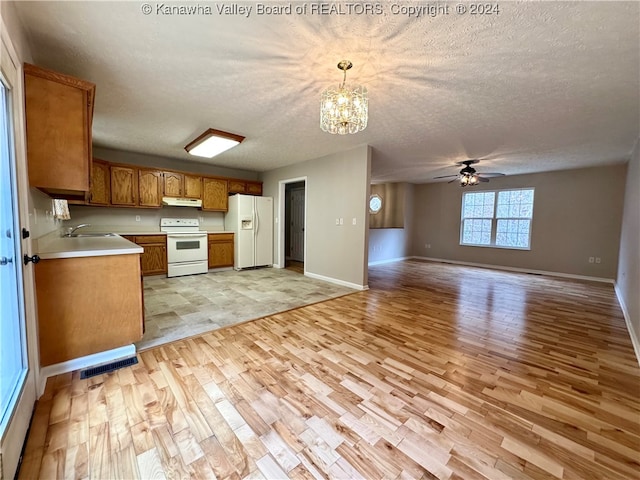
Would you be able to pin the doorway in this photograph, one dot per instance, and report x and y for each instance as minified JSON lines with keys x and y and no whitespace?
{"x":293,"y":229}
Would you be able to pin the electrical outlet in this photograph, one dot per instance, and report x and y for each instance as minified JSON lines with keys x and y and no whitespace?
{"x":137,"y":218}
{"x":598,"y":260}
{"x":591,"y":259}
{"x":427,"y":245}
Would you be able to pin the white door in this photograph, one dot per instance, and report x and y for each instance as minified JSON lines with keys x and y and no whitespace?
{"x":296,"y":232}
{"x":264,"y":231}
{"x":17,"y":380}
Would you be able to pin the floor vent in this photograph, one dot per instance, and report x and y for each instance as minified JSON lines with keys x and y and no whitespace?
{"x":108,"y":367}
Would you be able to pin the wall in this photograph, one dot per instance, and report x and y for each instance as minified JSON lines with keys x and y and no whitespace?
{"x":154,"y":161}
{"x":388,"y":244}
{"x":628,"y":280}
{"x":337,"y":187}
{"x":124,"y":219}
{"x":577,"y":215}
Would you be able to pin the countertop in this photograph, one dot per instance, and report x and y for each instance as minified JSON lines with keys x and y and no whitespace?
{"x":54,"y":246}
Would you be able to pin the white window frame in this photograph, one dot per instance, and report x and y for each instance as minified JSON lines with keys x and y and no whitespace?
{"x":494,"y":219}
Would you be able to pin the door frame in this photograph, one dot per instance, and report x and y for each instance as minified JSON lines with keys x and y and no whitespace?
{"x":281,"y":220}
{"x":15,"y":434}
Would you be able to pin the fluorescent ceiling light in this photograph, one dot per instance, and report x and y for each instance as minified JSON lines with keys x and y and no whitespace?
{"x":212,"y":143}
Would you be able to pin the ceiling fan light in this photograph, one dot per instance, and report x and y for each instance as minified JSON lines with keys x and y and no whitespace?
{"x":212,"y":143}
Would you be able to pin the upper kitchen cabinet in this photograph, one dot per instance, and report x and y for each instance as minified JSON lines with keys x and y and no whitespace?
{"x":59,"y":114}
{"x":245,"y":186}
{"x":254,"y":188}
{"x":192,"y":186}
{"x":214,"y":194}
{"x":173,"y":184}
{"x":100,"y":183}
{"x":124,"y":186}
{"x":149,"y":188}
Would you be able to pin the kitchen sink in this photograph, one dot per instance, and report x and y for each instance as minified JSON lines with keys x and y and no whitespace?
{"x":80,"y":235}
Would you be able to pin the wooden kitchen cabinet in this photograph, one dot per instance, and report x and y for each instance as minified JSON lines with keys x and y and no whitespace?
{"x":100,"y":193}
{"x":254,"y":188}
{"x":124,"y":186}
{"x":59,"y":116}
{"x":192,"y":186}
{"x":154,"y":258}
{"x":220,"y":250}
{"x":87,"y":305}
{"x":215,"y":195}
{"x":173,"y":184}
{"x":149,"y":188}
{"x":237,"y":186}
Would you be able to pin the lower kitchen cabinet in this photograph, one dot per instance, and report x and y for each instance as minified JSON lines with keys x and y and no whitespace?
{"x":154,"y":259}
{"x":220,"y":250}
{"x":87,"y":305}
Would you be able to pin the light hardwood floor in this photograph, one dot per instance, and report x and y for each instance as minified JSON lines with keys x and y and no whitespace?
{"x":438,"y":371}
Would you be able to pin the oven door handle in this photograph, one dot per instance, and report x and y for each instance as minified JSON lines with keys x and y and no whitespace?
{"x":183,"y":235}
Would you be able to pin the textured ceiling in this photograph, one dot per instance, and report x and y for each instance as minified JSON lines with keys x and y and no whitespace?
{"x":541,"y":86}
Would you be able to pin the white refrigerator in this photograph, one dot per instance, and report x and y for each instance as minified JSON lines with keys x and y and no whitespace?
{"x":250,"y":218}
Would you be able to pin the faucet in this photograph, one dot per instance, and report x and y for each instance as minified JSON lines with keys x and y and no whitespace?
{"x":73,"y":229}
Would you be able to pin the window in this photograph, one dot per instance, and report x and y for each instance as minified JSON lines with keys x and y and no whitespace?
{"x":504,"y":222}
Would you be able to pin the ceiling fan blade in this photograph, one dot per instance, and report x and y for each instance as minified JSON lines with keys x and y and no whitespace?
{"x":445,"y":176}
{"x":451,"y":181}
{"x":491,"y":174}
{"x":483,"y":179}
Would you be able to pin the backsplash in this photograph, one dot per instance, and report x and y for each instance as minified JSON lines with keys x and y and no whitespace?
{"x":41,"y":219}
{"x":102,"y":218}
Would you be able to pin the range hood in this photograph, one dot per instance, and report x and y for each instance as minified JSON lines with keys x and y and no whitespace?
{"x":181,"y":202}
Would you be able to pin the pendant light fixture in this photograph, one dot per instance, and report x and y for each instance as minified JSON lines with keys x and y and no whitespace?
{"x":344,"y":109}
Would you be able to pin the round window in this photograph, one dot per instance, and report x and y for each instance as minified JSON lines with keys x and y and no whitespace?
{"x":375,"y":203}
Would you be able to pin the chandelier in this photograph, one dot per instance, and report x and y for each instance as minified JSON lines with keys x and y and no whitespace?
{"x":469,"y":179}
{"x":344,"y":109}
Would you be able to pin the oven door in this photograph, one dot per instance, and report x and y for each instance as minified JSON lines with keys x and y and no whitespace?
{"x":186,"y":247}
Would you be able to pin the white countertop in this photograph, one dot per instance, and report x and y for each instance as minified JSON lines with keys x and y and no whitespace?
{"x":55,"y":246}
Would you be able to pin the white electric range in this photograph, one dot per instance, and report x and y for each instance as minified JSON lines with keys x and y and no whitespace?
{"x":186,"y":246}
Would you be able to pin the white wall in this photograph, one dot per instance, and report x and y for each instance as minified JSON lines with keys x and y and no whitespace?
{"x":337,"y":187}
{"x":387,"y":244}
{"x":577,"y":214}
{"x":628,"y":279}
{"x":123,"y":220}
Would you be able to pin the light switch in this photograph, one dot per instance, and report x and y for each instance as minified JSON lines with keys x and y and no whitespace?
{"x":337,"y":221}
{"x":353,"y":222}
{"x":341,"y":221}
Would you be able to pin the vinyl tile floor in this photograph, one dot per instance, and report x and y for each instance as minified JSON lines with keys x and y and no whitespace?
{"x":180,"y":307}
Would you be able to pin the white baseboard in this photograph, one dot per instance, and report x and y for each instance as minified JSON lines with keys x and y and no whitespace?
{"x":389,"y":260}
{"x":336,"y":281}
{"x":627,"y":319}
{"x":83,"y":362}
{"x":520,"y":270}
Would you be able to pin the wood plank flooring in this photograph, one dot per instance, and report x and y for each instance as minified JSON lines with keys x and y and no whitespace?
{"x":438,"y":371}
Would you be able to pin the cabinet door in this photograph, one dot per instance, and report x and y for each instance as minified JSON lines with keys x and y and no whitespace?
{"x":215,"y":195}
{"x":192,"y":186}
{"x":154,"y":257}
{"x":220,"y":250}
{"x":237,"y":186}
{"x":59,"y":113}
{"x":100,"y":183}
{"x":173,"y":184}
{"x":124,"y":186}
{"x":254,"y":188}
{"x":149,"y":188}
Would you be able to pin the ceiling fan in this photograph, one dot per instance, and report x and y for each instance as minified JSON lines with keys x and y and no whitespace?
{"x":469,"y":176}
